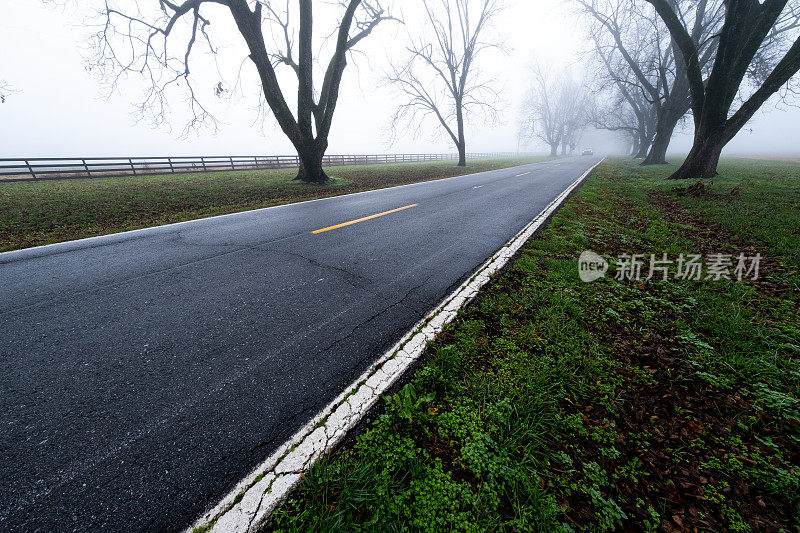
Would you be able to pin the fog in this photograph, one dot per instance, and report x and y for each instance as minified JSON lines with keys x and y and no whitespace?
{"x":58,"y":108}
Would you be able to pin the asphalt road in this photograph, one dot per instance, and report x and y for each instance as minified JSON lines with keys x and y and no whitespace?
{"x":143,"y":374}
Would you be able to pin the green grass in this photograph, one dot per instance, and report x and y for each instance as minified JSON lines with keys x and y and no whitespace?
{"x":557,"y":405}
{"x":32,"y":214}
{"x":763,"y":187}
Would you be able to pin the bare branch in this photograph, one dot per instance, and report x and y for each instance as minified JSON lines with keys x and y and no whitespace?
{"x":136,"y":43}
{"x":5,"y":90}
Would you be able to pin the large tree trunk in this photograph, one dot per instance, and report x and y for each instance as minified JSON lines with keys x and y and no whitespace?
{"x":462,"y":154}
{"x":703,"y":159}
{"x":311,"y":170}
{"x":658,"y":150}
{"x":713,"y":130}
{"x":310,"y":115}
{"x":554,"y":150}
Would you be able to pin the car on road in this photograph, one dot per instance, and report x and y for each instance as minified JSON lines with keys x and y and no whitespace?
{"x":588,"y":151}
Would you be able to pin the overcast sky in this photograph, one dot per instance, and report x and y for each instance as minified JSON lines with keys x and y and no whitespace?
{"x":60,"y":109}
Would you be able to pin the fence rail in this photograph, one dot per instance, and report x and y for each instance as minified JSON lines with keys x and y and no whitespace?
{"x":53,"y":168}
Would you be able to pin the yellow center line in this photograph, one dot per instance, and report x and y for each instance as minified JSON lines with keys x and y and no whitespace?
{"x":523,"y":174}
{"x":343,"y":224}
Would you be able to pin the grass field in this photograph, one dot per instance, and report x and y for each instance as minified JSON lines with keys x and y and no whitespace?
{"x":557,"y":405}
{"x":32,"y":214}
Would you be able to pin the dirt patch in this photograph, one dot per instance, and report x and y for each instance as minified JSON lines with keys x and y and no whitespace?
{"x":712,"y":238}
{"x":668,"y":429}
{"x":704,"y":190}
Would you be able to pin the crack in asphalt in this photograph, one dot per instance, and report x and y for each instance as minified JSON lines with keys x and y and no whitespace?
{"x":305,"y":459}
{"x":70,"y":473}
{"x":408,"y":293}
{"x":417,"y":313}
{"x":347,"y":273}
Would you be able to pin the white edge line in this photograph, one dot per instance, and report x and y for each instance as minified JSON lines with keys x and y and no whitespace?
{"x":124,"y":236}
{"x":247,"y":507}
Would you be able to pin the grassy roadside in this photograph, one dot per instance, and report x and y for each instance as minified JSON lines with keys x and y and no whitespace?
{"x":557,"y":405}
{"x":32,"y":214}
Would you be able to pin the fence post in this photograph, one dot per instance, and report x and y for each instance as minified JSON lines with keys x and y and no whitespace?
{"x":203,"y":162}
{"x":85,"y":166}
{"x":30,"y":169}
{"x":169,"y":160}
{"x":233,"y":167}
{"x":133,"y":168}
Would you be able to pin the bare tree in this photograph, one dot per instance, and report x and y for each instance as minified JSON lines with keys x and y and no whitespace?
{"x":759,"y":39}
{"x":575,"y":109}
{"x":628,"y":113}
{"x":5,"y":90}
{"x":541,"y":116}
{"x":624,"y":106}
{"x":440,"y":77}
{"x":641,"y":59}
{"x":555,"y":111}
{"x":133,"y":40}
